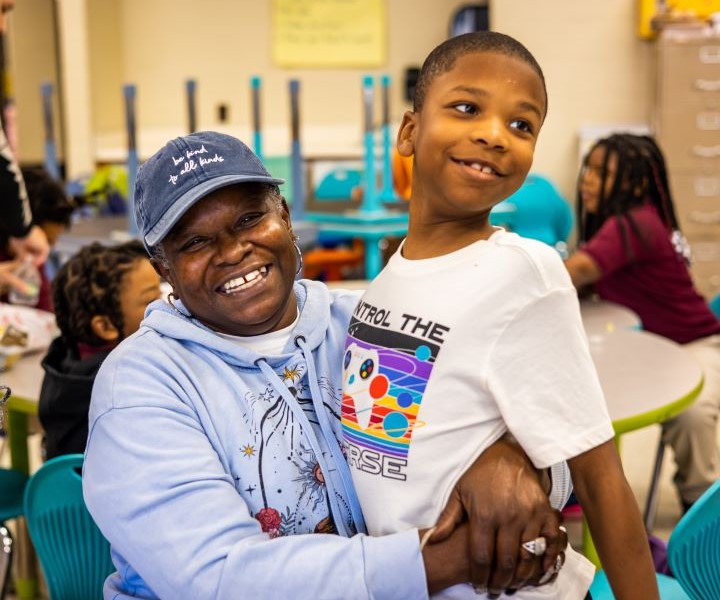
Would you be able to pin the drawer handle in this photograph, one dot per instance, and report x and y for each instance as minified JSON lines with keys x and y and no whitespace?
{"x":707,"y":187}
{"x":707,"y":85}
{"x":710,"y":54}
{"x":706,"y":218}
{"x":708,"y":121}
{"x":706,"y":151}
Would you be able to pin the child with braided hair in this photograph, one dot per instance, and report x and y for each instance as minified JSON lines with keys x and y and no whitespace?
{"x":100,"y":296}
{"x":633,"y":253}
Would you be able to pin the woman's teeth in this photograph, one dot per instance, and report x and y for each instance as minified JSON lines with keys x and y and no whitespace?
{"x":244,"y":282}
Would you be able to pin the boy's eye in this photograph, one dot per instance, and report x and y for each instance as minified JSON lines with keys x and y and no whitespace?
{"x":466,"y":108}
{"x":522,"y":125}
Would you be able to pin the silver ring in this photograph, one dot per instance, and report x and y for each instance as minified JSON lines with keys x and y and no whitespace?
{"x":538,"y":546}
{"x":552,"y":571}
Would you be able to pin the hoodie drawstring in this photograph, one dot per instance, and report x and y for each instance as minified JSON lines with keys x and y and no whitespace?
{"x":299,"y":414}
{"x":330,"y":438}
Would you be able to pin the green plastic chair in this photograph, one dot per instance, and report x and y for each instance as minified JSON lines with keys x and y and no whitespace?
{"x":694,"y":547}
{"x":73,"y":554}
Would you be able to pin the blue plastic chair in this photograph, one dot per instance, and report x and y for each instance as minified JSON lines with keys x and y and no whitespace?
{"x":715,"y":305}
{"x":73,"y":554}
{"x":670,"y":589}
{"x":694,"y":547}
{"x":541,"y":213}
{"x":693,"y":555}
{"x":338,"y":184}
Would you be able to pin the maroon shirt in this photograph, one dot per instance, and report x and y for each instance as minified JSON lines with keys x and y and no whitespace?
{"x":654,"y":281}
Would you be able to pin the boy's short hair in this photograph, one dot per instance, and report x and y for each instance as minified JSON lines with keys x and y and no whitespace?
{"x":443,"y":58}
{"x":89,"y":284}
{"x":48,"y":201}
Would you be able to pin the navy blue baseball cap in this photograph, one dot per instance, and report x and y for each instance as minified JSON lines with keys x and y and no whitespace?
{"x":186,"y":170}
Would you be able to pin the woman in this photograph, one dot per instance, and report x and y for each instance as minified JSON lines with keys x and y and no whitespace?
{"x":632,"y":252}
{"x":215,"y":428}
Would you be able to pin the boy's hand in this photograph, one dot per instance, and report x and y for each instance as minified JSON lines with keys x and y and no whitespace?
{"x":502,"y":497}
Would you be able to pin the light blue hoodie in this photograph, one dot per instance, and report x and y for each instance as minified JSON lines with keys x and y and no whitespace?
{"x":201,"y":452}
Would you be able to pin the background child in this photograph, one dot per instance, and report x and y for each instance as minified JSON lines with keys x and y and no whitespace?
{"x":100,"y":296}
{"x":471,"y":331}
{"x":632,"y":251}
{"x":52,"y":211}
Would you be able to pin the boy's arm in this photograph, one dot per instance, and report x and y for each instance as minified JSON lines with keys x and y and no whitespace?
{"x":615,"y":523}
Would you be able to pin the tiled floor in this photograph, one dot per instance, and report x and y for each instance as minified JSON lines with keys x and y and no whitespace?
{"x":638,"y":454}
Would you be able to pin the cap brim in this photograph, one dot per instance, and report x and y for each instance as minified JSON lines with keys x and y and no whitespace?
{"x":185,"y":202}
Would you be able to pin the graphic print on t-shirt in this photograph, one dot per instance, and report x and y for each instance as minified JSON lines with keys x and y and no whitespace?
{"x":386,"y":367}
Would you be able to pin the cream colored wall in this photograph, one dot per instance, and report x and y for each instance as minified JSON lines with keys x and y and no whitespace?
{"x":31,"y":47}
{"x":597,"y":70}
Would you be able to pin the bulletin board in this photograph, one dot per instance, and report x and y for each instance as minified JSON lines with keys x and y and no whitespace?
{"x":329,"y":33}
{"x":648,"y":9}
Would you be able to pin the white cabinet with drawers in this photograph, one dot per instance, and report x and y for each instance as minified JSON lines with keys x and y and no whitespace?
{"x":687,"y":124}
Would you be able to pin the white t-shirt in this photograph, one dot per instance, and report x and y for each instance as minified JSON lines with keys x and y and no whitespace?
{"x":444,"y":355}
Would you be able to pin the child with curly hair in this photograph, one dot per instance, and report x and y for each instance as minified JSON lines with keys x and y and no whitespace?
{"x":100,"y":296}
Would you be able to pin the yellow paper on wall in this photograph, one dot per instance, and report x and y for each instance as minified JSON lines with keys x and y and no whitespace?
{"x":648,"y":9}
{"x":329,"y":33}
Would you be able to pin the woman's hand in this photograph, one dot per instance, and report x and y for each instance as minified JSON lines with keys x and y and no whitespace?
{"x":504,"y":499}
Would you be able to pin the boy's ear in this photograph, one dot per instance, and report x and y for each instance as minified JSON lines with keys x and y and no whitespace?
{"x":104,"y":329}
{"x":406,"y":134}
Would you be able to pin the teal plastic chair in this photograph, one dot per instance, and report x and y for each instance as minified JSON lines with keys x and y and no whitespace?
{"x":715,"y":305}
{"x":12,"y":488}
{"x":670,"y":589}
{"x":541,"y":213}
{"x":73,"y":554}
{"x":693,"y":555}
{"x":694,"y":547}
{"x":338,"y":184}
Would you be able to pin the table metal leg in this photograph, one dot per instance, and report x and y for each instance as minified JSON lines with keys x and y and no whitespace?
{"x":25,"y":571}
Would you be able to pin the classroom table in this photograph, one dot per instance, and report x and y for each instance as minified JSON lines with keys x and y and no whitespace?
{"x":374,"y":227}
{"x":24,"y":380}
{"x":646,"y":379}
{"x":601,"y":316}
{"x":114,"y":229}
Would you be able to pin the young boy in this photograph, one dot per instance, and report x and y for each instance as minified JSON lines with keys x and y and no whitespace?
{"x":471,"y":331}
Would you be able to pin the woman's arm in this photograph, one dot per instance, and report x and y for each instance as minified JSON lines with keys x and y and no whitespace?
{"x":505,"y":499}
{"x":583,"y":269}
{"x":615,"y":523}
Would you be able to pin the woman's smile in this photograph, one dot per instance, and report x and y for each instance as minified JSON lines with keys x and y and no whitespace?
{"x":244,"y":282}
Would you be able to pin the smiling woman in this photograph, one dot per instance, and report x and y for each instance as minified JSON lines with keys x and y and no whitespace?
{"x":221,"y":416}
